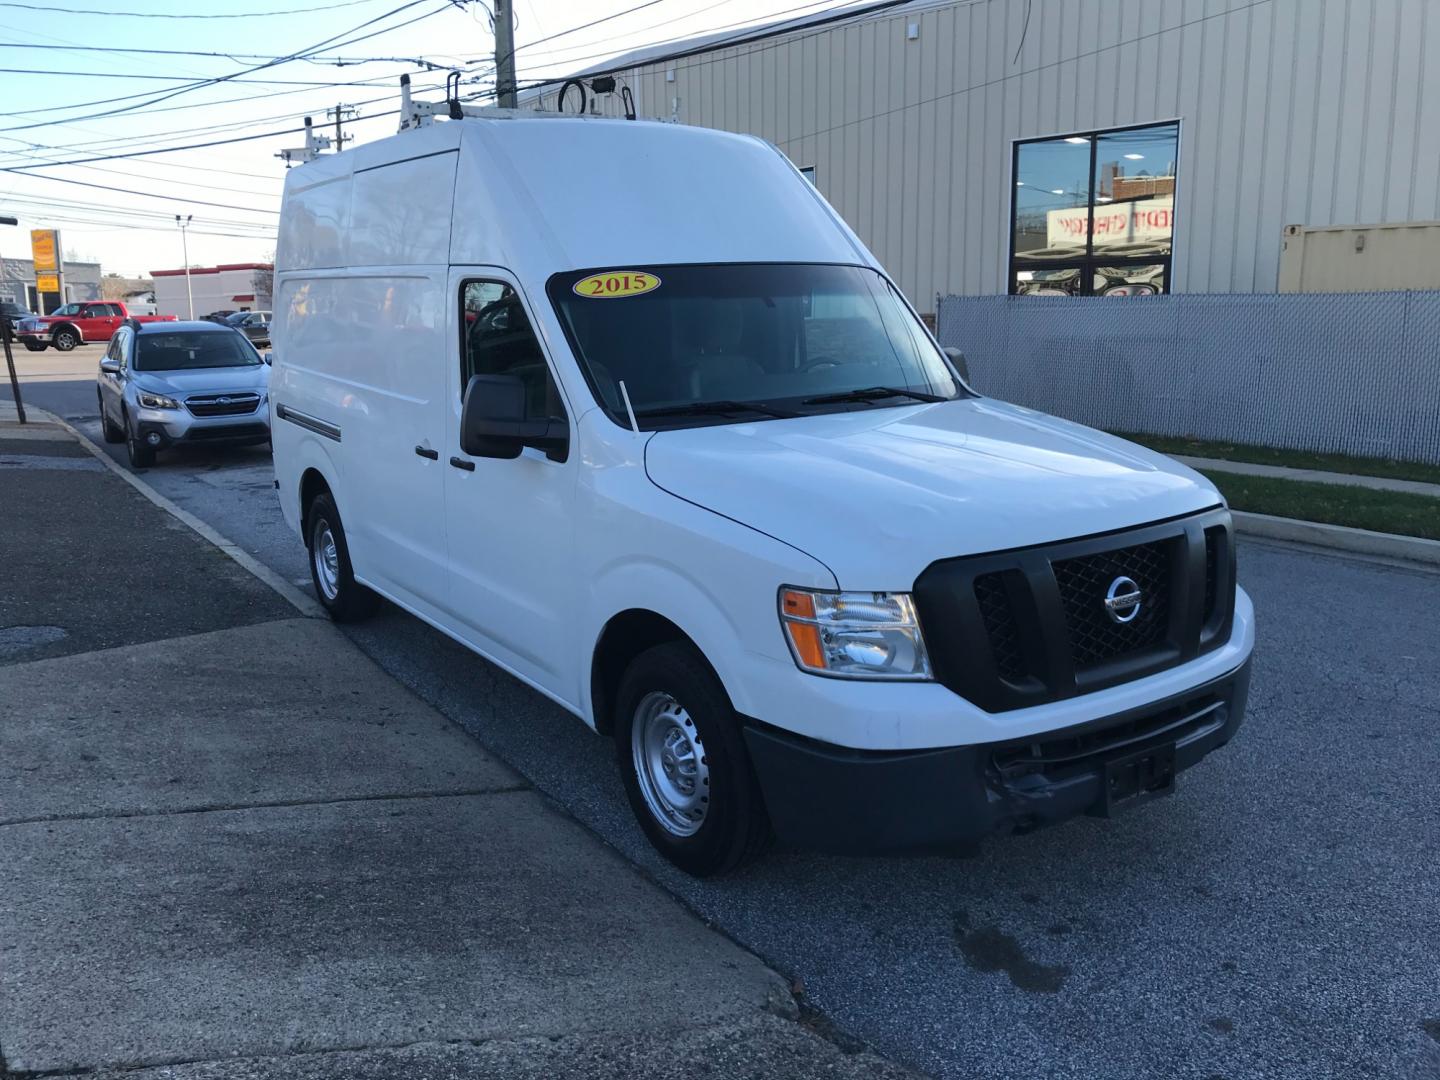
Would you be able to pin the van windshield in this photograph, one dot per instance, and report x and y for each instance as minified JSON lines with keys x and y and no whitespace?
{"x":736,"y":343}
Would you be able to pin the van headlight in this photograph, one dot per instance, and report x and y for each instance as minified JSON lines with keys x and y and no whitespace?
{"x":854,"y":635}
{"x":149,"y":400}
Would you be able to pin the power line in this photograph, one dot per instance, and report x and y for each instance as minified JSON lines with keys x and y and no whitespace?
{"x":171,"y":108}
{"x":568,"y":61}
{"x":50,"y":10}
{"x":815,"y":26}
{"x":146,"y":194}
{"x":73,"y":206}
{"x":308,"y":83}
{"x":273,"y":62}
{"x":157,"y":138}
{"x":336,"y":61}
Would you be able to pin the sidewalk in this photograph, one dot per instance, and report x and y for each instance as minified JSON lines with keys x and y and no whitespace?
{"x":234,"y":847}
{"x":1311,"y":476}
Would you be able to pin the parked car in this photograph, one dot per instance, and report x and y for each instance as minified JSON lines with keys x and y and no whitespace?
{"x":174,"y":383}
{"x":255,"y":325}
{"x":14,"y":312}
{"x":219,"y":316}
{"x":707,"y":481}
{"x":80,"y":323}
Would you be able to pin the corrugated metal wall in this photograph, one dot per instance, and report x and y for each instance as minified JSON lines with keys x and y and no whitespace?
{"x":1311,"y":112}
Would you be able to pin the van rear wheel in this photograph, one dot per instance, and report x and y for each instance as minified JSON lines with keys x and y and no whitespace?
{"x":682,"y":756}
{"x":340,"y":594}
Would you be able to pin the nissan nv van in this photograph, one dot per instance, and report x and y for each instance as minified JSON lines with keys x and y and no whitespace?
{"x":627,"y":409}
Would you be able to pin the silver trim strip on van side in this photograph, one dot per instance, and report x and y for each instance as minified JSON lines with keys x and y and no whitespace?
{"x":308,"y":422}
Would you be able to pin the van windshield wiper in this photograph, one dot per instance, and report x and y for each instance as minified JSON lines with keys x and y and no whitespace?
{"x":872,"y":393}
{"x":716,"y":408}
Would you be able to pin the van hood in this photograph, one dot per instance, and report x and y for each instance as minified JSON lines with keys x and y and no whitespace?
{"x":878,"y":495}
{"x":202,"y":380}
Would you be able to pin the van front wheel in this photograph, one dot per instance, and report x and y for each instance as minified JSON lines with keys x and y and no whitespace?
{"x":682,"y":756}
{"x":341,"y":595}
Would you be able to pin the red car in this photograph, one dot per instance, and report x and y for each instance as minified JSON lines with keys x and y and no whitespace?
{"x":78,"y":324}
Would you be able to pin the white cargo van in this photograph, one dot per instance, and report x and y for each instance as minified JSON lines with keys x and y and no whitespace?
{"x":627,"y":409}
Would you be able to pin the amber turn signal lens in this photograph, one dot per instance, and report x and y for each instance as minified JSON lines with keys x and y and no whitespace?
{"x":806,"y":639}
{"x":797,"y":605}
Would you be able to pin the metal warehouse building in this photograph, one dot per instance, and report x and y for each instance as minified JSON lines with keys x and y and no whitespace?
{"x":1081,"y":147}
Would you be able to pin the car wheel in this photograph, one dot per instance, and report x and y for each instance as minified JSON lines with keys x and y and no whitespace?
{"x":111,"y":432}
{"x":141,"y":454}
{"x":682,"y":756}
{"x":36,"y":346}
{"x":340,"y":594}
{"x":65,"y":340}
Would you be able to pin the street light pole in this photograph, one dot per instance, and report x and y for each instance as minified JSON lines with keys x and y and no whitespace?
{"x":185,"y":250}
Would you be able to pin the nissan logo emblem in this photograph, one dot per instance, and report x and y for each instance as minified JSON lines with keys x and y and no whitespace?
{"x":1122,"y":600}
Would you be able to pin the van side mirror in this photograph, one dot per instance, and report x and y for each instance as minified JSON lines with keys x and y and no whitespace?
{"x":493,"y":421}
{"x":957,"y":358}
{"x":269,"y":357}
{"x":109,"y":366}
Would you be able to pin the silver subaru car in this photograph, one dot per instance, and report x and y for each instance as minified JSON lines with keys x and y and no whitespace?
{"x":178,"y":383}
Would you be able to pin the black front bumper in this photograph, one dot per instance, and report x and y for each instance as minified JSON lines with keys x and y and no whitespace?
{"x":828,"y":798}
{"x":248,"y":432}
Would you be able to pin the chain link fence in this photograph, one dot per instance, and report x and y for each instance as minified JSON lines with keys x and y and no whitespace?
{"x":1353,"y":373}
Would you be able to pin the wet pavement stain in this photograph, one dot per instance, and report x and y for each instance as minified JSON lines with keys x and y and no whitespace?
{"x":990,"y":949}
{"x":1221,"y":1025}
{"x":1431,"y":1027}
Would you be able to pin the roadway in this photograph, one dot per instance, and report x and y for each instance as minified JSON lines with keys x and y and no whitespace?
{"x":1277,"y":917}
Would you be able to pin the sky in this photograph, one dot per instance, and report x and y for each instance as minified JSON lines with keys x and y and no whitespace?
{"x":60,"y":103}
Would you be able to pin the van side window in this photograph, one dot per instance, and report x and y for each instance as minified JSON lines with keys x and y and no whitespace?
{"x":496,"y":339}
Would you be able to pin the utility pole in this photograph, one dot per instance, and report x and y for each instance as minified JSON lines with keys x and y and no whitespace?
{"x":505,"y":55}
{"x":341,"y":113}
{"x":10,"y":356}
{"x":185,"y":249}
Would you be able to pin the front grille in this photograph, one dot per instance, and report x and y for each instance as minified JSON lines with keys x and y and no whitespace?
{"x":1000,"y":625}
{"x":223,"y":404}
{"x":1095,"y":637}
{"x":1030,"y":626}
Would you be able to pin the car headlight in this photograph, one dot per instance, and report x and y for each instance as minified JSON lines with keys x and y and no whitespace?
{"x":854,"y":635}
{"x":157,"y":401}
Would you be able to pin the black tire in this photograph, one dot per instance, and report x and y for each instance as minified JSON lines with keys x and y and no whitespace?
{"x":735,"y":828}
{"x":339,"y":593}
{"x":36,"y":346}
{"x":64,"y":339}
{"x":112,"y":433}
{"x":141,"y":455}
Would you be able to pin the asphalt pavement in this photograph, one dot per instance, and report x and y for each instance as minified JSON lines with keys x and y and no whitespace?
{"x":232,"y":845}
{"x":1277,"y":917}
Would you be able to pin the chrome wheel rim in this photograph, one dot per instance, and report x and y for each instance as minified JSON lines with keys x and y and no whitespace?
{"x":670,"y":764}
{"x":327,"y":560}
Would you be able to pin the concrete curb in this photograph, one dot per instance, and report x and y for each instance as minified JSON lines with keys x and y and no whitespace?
{"x":1418,"y":552}
{"x":302,"y":603}
{"x":1311,"y":476}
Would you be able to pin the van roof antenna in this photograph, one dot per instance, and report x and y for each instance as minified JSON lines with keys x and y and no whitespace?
{"x":629,"y":409}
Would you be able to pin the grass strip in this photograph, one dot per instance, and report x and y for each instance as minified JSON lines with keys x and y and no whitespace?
{"x":1291,"y":459}
{"x":1333,"y":504}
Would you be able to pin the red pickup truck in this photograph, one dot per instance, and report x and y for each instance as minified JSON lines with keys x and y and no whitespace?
{"x":78,"y":324}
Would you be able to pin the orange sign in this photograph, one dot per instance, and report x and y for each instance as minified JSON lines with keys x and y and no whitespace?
{"x":45,"y":250}
{"x":47,"y":283}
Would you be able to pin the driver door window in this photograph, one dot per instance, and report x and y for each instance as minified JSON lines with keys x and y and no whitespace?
{"x":497,"y":339}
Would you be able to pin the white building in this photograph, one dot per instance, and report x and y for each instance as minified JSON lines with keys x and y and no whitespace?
{"x":227,"y":287}
{"x":972,"y":143}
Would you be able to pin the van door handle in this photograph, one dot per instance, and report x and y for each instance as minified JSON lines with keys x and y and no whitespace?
{"x":433,"y":455}
{"x":461,"y":463}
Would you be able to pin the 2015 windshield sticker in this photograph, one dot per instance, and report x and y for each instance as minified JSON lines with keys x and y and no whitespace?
{"x":615,"y":283}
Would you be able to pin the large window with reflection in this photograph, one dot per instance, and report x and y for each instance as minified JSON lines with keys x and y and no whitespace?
{"x":1093,"y":214}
